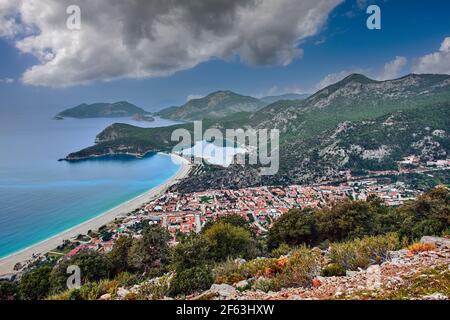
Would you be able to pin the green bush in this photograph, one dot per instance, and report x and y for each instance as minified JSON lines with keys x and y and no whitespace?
{"x":231,"y":271}
{"x":190,"y":281}
{"x":282,"y":250}
{"x":333,"y":270}
{"x":155,"y":289}
{"x":361,"y":253}
{"x":302,"y":267}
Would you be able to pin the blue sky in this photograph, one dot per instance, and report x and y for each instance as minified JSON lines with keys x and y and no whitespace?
{"x":410,"y":29}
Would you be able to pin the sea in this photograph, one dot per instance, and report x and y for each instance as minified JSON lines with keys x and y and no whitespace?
{"x":41,"y":197}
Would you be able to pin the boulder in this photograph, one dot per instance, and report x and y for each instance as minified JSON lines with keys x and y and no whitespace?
{"x":223,"y":290}
{"x":122,"y":293}
{"x":106,"y":296}
{"x":435,"y":296}
{"x":440,"y":242}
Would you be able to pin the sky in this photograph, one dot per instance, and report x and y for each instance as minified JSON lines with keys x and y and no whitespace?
{"x":159,"y":53}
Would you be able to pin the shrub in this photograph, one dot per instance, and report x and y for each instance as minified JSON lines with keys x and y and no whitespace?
{"x":333,"y":270}
{"x":282,"y":250}
{"x":232,"y":271}
{"x":155,"y":289}
{"x":265,"y":284}
{"x":361,"y":253}
{"x":300,"y":269}
{"x":421,"y":247}
{"x":191,"y":280}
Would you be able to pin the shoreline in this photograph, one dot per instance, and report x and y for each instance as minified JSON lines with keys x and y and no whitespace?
{"x":7,"y":263}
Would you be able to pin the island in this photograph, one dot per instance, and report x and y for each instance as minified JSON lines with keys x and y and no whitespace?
{"x":105,"y":110}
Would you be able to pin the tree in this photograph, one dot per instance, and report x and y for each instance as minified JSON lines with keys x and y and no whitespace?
{"x":233,"y":219}
{"x":151,"y":250}
{"x":226,"y":240}
{"x":346,"y":221}
{"x":93,"y":265}
{"x":8,"y":290}
{"x":294,"y":228}
{"x":428,"y":215}
{"x":36,"y":284}
{"x":191,"y":252}
{"x":119,"y":255}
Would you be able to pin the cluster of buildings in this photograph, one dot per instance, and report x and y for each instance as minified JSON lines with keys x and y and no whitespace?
{"x":182,"y":214}
{"x":185,"y":213}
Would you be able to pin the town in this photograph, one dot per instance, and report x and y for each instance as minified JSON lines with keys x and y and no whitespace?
{"x":182,"y":214}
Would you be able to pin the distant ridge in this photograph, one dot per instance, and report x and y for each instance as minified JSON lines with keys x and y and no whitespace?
{"x":214,"y":106}
{"x":288,"y":96}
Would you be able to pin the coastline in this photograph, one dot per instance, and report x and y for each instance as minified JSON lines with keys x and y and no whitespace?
{"x":7,"y":263}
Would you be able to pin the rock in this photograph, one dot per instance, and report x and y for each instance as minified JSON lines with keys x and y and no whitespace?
{"x":373,"y":275}
{"x":223,"y":290}
{"x":351,"y":273}
{"x":122,"y":293}
{"x":316,"y":283}
{"x":240,"y":261}
{"x":441,"y":242}
{"x":241,"y":284}
{"x":106,"y":296}
{"x":435,"y":296}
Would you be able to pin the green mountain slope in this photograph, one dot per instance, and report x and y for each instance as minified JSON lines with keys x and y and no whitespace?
{"x":357,"y":124}
{"x":103,"y":110}
{"x":214,"y":106}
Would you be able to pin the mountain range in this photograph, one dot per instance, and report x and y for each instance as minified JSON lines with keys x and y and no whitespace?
{"x":355,"y":124}
{"x":214,"y":106}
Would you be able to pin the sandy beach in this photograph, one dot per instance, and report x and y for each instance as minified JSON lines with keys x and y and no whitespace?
{"x":7,"y":264}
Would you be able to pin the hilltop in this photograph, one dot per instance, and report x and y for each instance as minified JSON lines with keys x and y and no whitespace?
{"x":105,"y":110}
{"x":355,"y":124}
{"x":214,"y":106}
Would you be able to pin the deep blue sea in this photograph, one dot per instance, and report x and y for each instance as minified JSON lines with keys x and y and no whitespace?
{"x":41,"y":197}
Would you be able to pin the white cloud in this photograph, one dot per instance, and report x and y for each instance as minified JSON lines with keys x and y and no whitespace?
{"x":437,"y":62}
{"x":194,"y":97}
{"x":7,"y":80}
{"x":393,"y":68}
{"x":275,"y":90}
{"x":150,"y":38}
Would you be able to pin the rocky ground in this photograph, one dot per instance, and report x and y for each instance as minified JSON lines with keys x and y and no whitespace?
{"x":412,"y":275}
{"x":407,"y":275}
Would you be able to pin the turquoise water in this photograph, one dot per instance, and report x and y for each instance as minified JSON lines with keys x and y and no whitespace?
{"x":41,"y":197}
